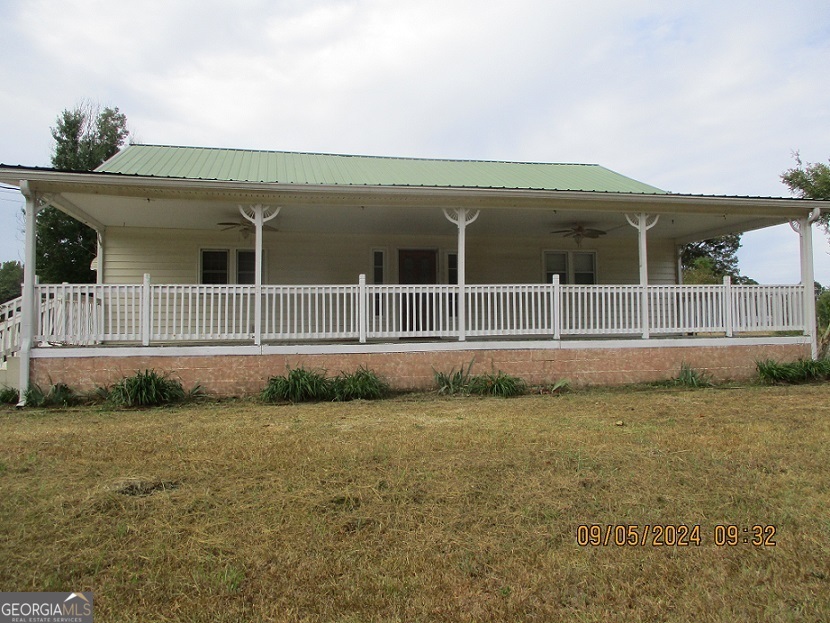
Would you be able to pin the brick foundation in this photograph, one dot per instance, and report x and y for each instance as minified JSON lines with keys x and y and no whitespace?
{"x":235,"y":375}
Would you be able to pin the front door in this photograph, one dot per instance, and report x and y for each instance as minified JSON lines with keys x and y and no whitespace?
{"x":417,"y":267}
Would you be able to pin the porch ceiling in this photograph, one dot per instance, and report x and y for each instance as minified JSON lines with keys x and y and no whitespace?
{"x":105,"y":200}
{"x":176,"y":213}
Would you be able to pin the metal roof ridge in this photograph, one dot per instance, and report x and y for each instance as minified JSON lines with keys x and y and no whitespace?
{"x":330,"y":154}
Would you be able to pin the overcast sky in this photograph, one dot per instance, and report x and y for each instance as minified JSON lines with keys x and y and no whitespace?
{"x":707,"y":96}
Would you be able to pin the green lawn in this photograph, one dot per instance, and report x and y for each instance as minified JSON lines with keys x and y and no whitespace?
{"x":421,"y":508}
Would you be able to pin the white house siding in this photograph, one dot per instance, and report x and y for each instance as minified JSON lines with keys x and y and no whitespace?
{"x":172,"y":256}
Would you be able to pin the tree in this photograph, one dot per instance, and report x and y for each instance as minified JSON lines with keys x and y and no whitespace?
{"x":809,"y":181}
{"x":11,"y":279}
{"x":722,"y":252}
{"x":709,"y":261}
{"x":84,"y":138}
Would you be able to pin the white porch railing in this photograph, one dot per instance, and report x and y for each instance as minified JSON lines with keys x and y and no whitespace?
{"x":395,"y":311}
{"x":309,"y":312}
{"x":10,"y":326}
{"x":148,"y":313}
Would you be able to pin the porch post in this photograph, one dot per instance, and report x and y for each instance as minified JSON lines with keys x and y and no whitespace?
{"x":805,"y":232}
{"x":557,"y":308}
{"x":461,"y":219}
{"x":146,"y":310}
{"x":258,"y":215}
{"x":27,"y":321}
{"x":99,"y":258}
{"x":727,"y":305}
{"x":642,"y":225}
{"x":362,"y":309}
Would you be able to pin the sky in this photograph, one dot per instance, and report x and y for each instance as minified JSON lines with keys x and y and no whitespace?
{"x":702,"y":97}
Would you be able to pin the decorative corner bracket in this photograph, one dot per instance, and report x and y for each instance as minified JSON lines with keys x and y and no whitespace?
{"x":250,"y":214}
{"x":642,"y":218}
{"x":455,"y":216}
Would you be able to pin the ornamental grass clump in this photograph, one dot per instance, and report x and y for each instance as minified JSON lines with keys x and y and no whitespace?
{"x":453,"y":382}
{"x":147,"y":389}
{"x":690,"y":377}
{"x":362,"y":384}
{"x":500,"y":384}
{"x":8,"y":396}
{"x":58,"y":395}
{"x":298,"y":385}
{"x":801,"y":371}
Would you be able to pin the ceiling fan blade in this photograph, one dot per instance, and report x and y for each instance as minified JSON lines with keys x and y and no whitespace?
{"x":561,"y":231}
{"x":230,"y":224}
{"x":593,"y":233}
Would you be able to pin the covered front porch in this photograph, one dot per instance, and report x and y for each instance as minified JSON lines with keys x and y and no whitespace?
{"x":188,"y":265}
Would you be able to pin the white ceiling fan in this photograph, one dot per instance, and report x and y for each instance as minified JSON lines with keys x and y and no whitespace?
{"x":579,"y":232}
{"x":245,"y":227}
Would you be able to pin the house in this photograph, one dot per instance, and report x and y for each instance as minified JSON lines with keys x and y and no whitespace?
{"x":223,"y":266}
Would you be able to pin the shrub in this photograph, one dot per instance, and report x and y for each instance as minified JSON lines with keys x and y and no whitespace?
{"x":690,"y":377}
{"x":147,"y":389}
{"x":502,"y":385}
{"x":298,"y":385}
{"x":9,"y":396}
{"x":453,"y":382}
{"x":360,"y":385}
{"x":801,"y":371}
{"x":561,"y":386}
{"x":58,"y":395}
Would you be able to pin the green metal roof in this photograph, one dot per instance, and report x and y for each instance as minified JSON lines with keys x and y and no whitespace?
{"x":327,"y":169}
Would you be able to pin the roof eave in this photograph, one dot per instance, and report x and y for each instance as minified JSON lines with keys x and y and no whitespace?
{"x":48,"y":181}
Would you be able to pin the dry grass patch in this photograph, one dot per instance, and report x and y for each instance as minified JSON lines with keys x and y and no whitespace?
{"x":423,"y":508}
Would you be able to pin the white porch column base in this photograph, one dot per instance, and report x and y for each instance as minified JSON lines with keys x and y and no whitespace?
{"x":459,"y":217}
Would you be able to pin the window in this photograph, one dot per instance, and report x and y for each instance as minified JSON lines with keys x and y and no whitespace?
{"x":378,"y":266}
{"x":452,"y":268}
{"x":576,"y":267}
{"x":245,"y":267}
{"x":584,"y":268}
{"x":215,"y":267}
{"x":378,"y":277}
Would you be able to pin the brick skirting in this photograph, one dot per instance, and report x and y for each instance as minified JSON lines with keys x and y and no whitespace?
{"x":235,"y":375}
